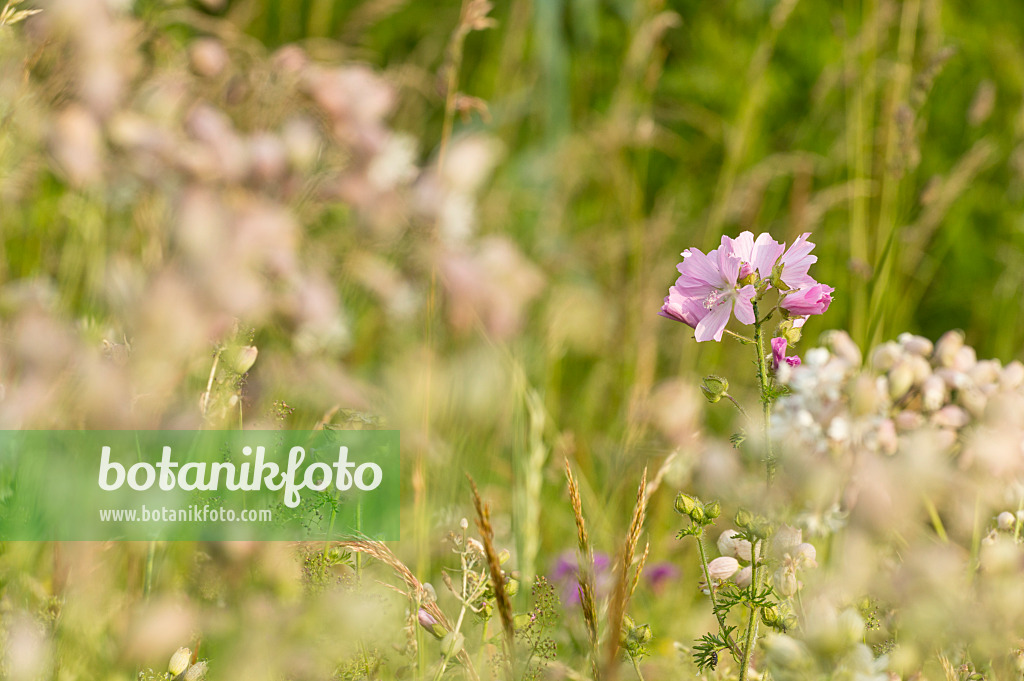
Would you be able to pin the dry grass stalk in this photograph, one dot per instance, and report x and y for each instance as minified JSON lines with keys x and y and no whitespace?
{"x":417,"y":594}
{"x":585,"y":572}
{"x":483,"y":523}
{"x":623,"y":590}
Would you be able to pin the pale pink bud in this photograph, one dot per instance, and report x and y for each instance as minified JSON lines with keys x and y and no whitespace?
{"x":965,"y":358}
{"x":842,"y":346}
{"x":1012,"y":375}
{"x":887,"y":438}
{"x":805,"y":555}
{"x":908,"y":420}
{"x":916,"y":345}
{"x":727,"y":543}
{"x":886,"y":355}
{"x":984,"y":372}
{"x":933,"y":393}
{"x":951,"y":416}
{"x":901,"y":378}
{"x":973,"y":400}
{"x":920,"y":368}
{"x":947,"y":347}
{"x":1006,"y":520}
{"x":723,"y":568}
{"x":743,"y":577}
{"x":785,"y":581}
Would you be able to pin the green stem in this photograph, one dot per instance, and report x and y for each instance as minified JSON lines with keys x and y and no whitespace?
{"x":636,"y":666}
{"x":719,"y":615}
{"x":751,"y":635}
{"x":766,"y":404}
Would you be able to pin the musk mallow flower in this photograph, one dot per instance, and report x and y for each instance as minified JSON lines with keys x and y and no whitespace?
{"x":813,"y":299}
{"x":707,"y":293}
{"x":713,"y":287}
{"x":779,"y":354}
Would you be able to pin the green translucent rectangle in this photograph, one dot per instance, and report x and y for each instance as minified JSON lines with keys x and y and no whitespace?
{"x":176,"y":485}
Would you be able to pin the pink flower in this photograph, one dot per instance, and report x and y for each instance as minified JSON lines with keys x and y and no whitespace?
{"x":813,"y":299}
{"x":706,"y":293}
{"x":796,"y":262}
{"x":757,"y":256}
{"x":779,"y":354}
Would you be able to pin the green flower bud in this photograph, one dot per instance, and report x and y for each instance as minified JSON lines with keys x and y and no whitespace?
{"x":643,"y":634}
{"x":790,"y":332}
{"x":744,"y":518}
{"x":179,"y":661}
{"x":714,"y":387}
{"x":503,"y":556}
{"x":685,"y":504}
{"x":712,"y":510}
{"x":452,"y":644}
{"x":771,"y":617}
{"x":241,"y":359}
{"x":697,"y":515}
{"x":512,"y":587}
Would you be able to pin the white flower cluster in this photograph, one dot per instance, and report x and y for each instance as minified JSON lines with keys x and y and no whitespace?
{"x":835,"y":406}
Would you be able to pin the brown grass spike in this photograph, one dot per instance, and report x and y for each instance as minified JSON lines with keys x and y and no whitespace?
{"x":585,"y":571}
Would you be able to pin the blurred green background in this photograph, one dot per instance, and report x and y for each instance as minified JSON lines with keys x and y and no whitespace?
{"x":628,"y":131}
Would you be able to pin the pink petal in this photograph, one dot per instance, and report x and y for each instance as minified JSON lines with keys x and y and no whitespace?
{"x":744,"y":308}
{"x":765,"y":254}
{"x":713,"y":325}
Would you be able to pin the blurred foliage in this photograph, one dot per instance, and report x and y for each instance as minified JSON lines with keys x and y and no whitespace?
{"x":178,"y":178}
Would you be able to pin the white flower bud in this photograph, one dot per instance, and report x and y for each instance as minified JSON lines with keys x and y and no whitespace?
{"x":920,"y":367}
{"x":785,"y":581}
{"x":1012,"y":375}
{"x":1006,"y":520}
{"x":908,"y":420}
{"x":901,"y":378}
{"x":179,"y":661}
{"x":805,"y":555}
{"x":886,"y":355}
{"x":196,"y":672}
{"x":985,"y":372}
{"x":933,"y":393}
{"x":947,"y":347}
{"x":842,"y":346}
{"x":723,"y":568}
{"x":951,"y":416}
{"x":973,"y":400}
{"x":916,"y":345}
{"x":743,"y":577}
{"x":965,"y":358}
{"x":727,"y":543}
{"x":786,"y":537}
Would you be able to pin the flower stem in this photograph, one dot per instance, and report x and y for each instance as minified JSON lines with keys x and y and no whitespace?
{"x":766,"y":404}
{"x":751,"y":635}
{"x":719,"y":615}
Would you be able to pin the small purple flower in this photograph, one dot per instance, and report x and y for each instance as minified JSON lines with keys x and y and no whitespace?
{"x":779,"y":354}
{"x":660,"y":574}
{"x":565,"y":573}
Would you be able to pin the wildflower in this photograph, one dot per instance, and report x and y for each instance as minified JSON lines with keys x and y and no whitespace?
{"x":196,"y":672}
{"x":813,"y":299}
{"x":723,"y":568}
{"x":779,"y":354}
{"x":707,"y":294}
{"x":756,"y":257}
{"x":430,"y":623}
{"x":796,"y":261}
{"x":179,"y":661}
{"x":660,"y":574}
{"x":1006,"y":520}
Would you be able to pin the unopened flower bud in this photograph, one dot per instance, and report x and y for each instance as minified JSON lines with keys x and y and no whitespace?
{"x":714,"y":387}
{"x":685,"y":504}
{"x":744,"y":518}
{"x":512,"y":587}
{"x":464,"y":524}
{"x":916,"y":345}
{"x":179,"y":661}
{"x":901,"y":378}
{"x":643,"y":634}
{"x":743,"y":577}
{"x":697,"y":514}
{"x":1006,"y":520}
{"x":842,"y":346}
{"x":503,"y":556}
{"x":196,"y":672}
{"x":790,"y":331}
{"x":428,"y":622}
{"x":951,"y":416}
{"x":723,"y":568}
{"x":770,"y":616}
{"x":712,"y":510}
{"x":452,"y":643}
{"x":933,"y":393}
{"x":1012,"y":375}
{"x":947,"y":348}
{"x":786,"y":582}
{"x":241,"y":359}
{"x":886,"y":355}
